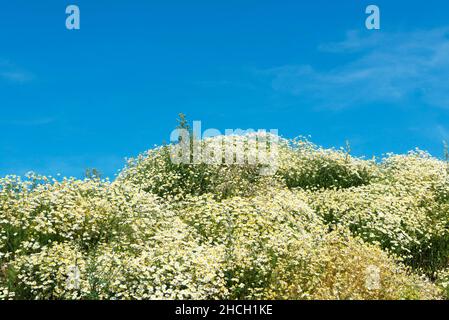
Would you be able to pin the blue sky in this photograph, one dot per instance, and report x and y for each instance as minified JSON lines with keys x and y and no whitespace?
{"x":91,"y":97}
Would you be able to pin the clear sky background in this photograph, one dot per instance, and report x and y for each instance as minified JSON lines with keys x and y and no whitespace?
{"x":89,"y":98}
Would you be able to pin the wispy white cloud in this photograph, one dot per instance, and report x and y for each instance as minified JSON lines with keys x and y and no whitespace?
{"x":400,"y":67}
{"x":16,"y":76}
{"x":33,"y":122}
{"x":29,"y":122}
{"x":13,"y":74}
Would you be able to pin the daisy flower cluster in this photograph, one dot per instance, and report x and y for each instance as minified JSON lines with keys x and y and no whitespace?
{"x":315,"y":228}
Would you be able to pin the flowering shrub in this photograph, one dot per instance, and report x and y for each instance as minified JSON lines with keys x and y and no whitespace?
{"x":325,"y":225}
{"x":156,"y":172}
{"x":404,"y":211}
{"x":306,"y":165}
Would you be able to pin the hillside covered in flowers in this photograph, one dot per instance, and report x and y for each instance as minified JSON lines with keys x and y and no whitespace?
{"x":316,"y":229}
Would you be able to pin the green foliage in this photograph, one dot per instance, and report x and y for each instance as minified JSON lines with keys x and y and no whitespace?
{"x":156,"y":173}
{"x":93,"y":174}
{"x":306,"y":165}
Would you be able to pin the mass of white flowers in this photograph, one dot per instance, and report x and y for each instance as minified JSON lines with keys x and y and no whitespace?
{"x":162,"y":230}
